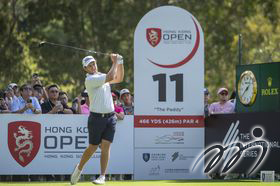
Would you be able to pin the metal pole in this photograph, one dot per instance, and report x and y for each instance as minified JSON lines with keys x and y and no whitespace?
{"x":240,"y":49}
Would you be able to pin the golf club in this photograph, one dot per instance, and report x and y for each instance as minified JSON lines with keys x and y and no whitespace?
{"x":43,"y":43}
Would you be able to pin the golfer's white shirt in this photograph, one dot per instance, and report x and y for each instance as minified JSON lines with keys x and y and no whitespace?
{"x":99,"y":93}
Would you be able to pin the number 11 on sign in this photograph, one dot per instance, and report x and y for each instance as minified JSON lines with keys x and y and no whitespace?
{"x":161,"y":78}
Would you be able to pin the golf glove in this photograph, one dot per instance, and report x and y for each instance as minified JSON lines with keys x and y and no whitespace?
{"x":119,"y":59}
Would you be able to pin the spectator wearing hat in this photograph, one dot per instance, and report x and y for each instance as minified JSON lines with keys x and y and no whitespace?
{"x":14,"y":86}
{"x":80,"y":104}
{"x":128,"y":105}
{"x":26,"y":104}
{"x":10,"y":97}
{"x":118,"y":109}
{"x":223,"y":105}
{"x":35,"y":79}
{"x":206,"y":102}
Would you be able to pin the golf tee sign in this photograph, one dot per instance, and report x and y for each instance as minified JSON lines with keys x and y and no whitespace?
{"x":168,"y":66}
{"x":169,"y":99}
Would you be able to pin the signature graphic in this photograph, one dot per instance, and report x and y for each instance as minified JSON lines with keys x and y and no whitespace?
{"x":233,"y":159}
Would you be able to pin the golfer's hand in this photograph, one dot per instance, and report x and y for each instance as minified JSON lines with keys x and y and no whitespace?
{"x":119,"y":59}
{"x":114,"y":58}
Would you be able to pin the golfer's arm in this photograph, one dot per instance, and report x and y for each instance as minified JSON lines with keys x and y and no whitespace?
{"x":112,"y":73}
{"x":120,"y":74}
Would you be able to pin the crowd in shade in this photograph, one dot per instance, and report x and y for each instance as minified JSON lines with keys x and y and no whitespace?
{"x":35,"y":98}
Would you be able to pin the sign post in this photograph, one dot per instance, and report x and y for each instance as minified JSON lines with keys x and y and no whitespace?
{"x":169,"y":82}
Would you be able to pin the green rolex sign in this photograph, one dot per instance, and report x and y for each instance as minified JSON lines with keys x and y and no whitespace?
{"x":258,"y":87}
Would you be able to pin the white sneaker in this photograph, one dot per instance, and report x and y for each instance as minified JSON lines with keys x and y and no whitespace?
{"x":100,"y":180}
{"x":75,"y":175}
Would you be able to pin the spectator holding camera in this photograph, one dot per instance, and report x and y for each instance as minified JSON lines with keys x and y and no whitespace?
{"x":36,"y":83}
{"x":118,"y":109}
{"x":63,"y":98}
{"x":26,"y":104}
{"x":35,"y":79}
{"x":81,"y":103}
{"x":76,"y":105}
{"x":52,"y":105}
{"x":3,"y":105}
{"x":85,"y":105}
{"x":9,"y":97}
{"x":38,"y":92}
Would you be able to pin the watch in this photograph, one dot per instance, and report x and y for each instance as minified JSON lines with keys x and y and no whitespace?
{"x":247,"y":88}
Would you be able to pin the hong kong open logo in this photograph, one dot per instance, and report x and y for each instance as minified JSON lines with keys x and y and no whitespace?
{"x":153,"y":36}
{"x":24,"y":139}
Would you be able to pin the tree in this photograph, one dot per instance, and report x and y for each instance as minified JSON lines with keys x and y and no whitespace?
{"x":108,"y":26}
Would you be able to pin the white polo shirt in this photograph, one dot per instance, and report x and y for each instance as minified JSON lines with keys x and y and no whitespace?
{"x":99,"y":93}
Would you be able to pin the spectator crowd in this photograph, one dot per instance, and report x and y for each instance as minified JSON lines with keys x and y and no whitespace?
{"x":34,"y":98}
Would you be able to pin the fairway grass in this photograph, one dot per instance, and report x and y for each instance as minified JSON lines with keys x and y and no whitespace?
{"x":151,"y":183}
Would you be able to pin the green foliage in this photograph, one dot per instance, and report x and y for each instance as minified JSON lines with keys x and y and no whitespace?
{"x":108,"y":26}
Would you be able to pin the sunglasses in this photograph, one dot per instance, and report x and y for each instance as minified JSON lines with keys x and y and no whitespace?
{"x":27,"y":88}
{"x":224,"y":93}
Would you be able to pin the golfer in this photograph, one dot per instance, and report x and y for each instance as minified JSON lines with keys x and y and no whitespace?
{"x":102,"y":119}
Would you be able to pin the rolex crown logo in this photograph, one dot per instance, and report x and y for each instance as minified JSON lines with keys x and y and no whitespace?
{"x":269,"y":81}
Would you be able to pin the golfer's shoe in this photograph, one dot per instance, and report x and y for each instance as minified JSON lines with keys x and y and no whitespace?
{"x":75,"y":175}
{"x":100,"y":180}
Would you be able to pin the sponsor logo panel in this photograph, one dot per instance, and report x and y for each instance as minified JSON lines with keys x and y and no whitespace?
{"x":164,"y":163}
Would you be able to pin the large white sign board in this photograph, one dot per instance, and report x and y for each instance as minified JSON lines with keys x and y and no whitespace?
{"x":169,"y":63}
{"x":54,"y":144}
{"x":169,"y":82}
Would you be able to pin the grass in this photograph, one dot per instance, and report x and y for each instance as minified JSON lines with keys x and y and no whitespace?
{"x":152,"y":183}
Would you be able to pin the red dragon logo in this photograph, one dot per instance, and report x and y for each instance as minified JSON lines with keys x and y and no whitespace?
{"x":24,"y":139}
{"x":153,"y":36}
